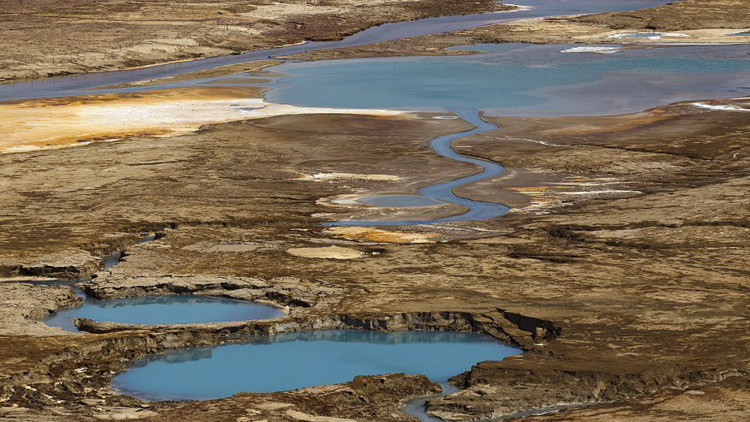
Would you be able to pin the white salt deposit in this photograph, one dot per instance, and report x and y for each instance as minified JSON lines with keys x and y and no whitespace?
{"x":591,"y":49}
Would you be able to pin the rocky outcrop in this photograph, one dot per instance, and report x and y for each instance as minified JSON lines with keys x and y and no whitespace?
{"x":493,"y":390}
{"x":527,"y":333}
{"x":24,"y":305}
{"x":289,"y":292}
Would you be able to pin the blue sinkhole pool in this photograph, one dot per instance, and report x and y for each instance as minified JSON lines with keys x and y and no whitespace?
{"x":304,"y":359}
{"x":157,"y":310}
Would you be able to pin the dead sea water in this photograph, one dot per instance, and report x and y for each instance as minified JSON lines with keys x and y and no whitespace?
{"x":521,"y":80}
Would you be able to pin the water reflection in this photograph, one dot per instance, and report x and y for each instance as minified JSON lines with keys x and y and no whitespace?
{"x":156,"y":310}
{"x":295,"y":360}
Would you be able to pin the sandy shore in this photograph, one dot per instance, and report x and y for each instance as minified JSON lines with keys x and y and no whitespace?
{"x":63,"y":122}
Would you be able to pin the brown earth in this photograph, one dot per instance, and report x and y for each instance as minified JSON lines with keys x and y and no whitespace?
{"x":678,"y":16}
{"x":47,"y":37}
{"x":704,"y":21}
{"x":622,"y":273}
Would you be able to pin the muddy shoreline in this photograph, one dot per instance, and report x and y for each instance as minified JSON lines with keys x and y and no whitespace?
{"x":142,"y":33}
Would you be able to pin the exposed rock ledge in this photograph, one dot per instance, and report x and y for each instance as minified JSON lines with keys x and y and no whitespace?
{"x":526,"y":332}
{"x":288,"y":292}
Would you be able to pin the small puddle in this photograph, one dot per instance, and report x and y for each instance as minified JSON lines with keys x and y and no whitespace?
{"x":649,"y":35}
{"x":158,"y":310}
{"x":112,"y":259}
{"x":290,"y":361}
{"x":399,"y":201}
{"x":116,"y":257}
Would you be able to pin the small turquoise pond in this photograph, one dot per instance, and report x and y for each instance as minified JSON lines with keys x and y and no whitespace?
{"x":156,"y":310}
{"x":294,"y":360}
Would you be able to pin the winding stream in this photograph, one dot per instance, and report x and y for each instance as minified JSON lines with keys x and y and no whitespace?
{"x":444,"y":191}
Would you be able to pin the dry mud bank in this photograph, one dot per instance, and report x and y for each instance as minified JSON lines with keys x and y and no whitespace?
{"x":45,"y":38}
{"x":698,"y":21}
{"x":633,"y":293}
{"x":53,"y":123}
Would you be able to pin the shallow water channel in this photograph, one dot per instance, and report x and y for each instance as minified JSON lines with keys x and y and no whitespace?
{"x":443,"y":192}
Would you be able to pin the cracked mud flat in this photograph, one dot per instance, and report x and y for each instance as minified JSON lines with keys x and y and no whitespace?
{"x":636,"y":299}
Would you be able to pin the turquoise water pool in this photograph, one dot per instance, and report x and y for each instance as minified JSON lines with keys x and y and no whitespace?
{"x":295,"y":360}
{"x":156,"y":310}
